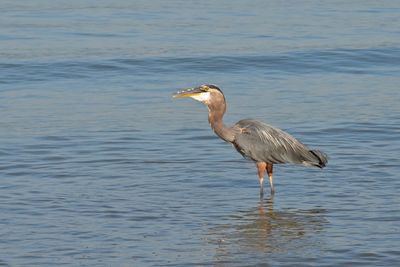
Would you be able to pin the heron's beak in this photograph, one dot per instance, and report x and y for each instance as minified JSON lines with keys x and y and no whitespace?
{"x":188,"y":93}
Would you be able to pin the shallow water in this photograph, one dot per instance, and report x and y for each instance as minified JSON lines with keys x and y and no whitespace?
{"x":100,"y":167}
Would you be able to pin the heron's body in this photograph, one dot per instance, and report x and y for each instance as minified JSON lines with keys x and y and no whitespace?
{"x":277,"y":145}
{"x":255,"y":140}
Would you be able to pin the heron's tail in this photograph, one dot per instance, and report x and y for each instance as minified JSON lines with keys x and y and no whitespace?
{"x":321,"y":157}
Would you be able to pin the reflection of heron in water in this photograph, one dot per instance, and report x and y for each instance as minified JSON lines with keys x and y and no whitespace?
{"x":264,"y":230}
{"x":269,"y":230}
{"x":257,"y":141}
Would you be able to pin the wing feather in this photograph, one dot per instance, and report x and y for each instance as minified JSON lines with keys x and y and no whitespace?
{"x":264,"y":143}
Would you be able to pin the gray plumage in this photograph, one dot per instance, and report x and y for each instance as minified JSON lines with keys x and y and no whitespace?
{"x":264,"y":143}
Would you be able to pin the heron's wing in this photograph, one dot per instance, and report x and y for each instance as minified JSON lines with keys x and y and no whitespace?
{"x":264,"y":143}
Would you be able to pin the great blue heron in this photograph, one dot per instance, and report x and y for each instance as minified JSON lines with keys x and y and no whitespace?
{"x":255,"y":140}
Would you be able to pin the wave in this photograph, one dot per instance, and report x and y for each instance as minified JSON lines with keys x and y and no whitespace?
{"x":379,"y":61}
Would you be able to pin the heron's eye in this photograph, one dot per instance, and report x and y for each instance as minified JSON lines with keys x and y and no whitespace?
{"x":205,"y":89}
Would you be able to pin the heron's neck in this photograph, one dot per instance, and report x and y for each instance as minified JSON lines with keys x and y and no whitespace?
{"x":215,"y":119}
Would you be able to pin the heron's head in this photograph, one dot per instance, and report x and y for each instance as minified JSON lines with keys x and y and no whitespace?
{"x":207,"y":93}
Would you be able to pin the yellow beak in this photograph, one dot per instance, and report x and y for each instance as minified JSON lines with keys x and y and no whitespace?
{"x":188,"y":93}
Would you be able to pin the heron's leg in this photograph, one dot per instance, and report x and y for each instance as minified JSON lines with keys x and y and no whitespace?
{"x":269,"y":170}
{"x":261,"y":166}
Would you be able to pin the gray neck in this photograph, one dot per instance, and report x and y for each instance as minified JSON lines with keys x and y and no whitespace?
{"x":215,"y":120}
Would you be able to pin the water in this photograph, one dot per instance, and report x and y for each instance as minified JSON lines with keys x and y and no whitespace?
{"x":100,"y":167}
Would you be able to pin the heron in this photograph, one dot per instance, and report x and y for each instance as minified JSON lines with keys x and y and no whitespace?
{"x":262,"y":143}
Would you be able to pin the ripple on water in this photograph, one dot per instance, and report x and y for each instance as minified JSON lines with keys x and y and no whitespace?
{"x":99,"y":167}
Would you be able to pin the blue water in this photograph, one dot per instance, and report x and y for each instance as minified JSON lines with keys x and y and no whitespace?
{"x":99,"y":166}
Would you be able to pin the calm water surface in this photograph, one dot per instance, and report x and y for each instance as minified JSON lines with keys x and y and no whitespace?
{"x":100,"y":167}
